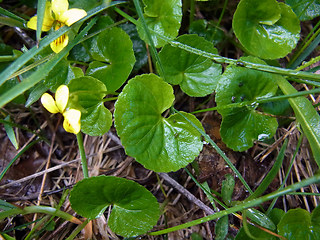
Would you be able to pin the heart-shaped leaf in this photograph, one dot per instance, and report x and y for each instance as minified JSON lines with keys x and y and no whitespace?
{"x":86,"y":94}
{"x":163,"y":17}
{"x":135,"y":210}
{"x":112,"y":50}
{"x":196,"y":75}
{"x":160,"y":144}
{"x":267,"y":29}
{"x":242,"y":125}
{"x":305,"y":9}
{"x":298,"y":224}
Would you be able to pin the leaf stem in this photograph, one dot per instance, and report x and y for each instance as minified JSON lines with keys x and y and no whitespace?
{"x":82,"y":155}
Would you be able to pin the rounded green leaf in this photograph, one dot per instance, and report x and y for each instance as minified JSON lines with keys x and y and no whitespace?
{"x":86,"y":94}
{"x":112,"y":50}
{"x":243,"y":124}
{"x":305,"y":9}
{"x":196,"y":75}
{"x":135,"y":210}
{"x":296,"y":224}
{"x":160,"y":144}
{"x":266,"y":28}
{"x":163,"y":17}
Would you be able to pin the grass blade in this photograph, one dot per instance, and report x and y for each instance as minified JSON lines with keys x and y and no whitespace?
{"x":271,"y":175}
{"x":11,"y":15}
{"x":306,"y":115}
{"x":43,"y":70}
{"x":41,"y":7}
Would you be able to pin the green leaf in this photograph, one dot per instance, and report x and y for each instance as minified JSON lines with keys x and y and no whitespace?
{"x":86,"y":94}
{"x":196,"y":75}
{"x":163,"y":17}
{"x":160,"y":144}
{"x":10,"y":133}
{"x":85,"y":4}
{"x":112,"y":50}
{"x":227,"y":189}
{"x":256,"y":232}
{"x":296,"y":224}
{"x":305,"y":9}
{"x":221,"y":228}
{"x":275,"y":215}
{"x":243,"y":124}
{"x":208,"y":30}
{"x":135,"y":210}
{"x":41,"y":7}
{"x":260,"y":218}
{"x":315,"y":216}
{"x":267,"y":28}
{"x":5,"y":206}
{"x":306,"y":115}
{"x":139,"y":47}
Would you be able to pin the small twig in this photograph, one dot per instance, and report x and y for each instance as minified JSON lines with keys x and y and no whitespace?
{"x":186,"y":193}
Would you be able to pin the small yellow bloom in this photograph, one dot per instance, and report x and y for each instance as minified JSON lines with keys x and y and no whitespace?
{"x":72,"y":117}
{"x":58,"y":15}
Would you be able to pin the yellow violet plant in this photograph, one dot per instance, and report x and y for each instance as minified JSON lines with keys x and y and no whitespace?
{"x":58,"y":15}
{"x":71,"y":116}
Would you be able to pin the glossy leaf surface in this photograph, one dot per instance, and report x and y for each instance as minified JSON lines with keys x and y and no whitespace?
{"x":267,"y":29}
{"x":196,"y":75}
{"x":305,"y":9}
{"x":244,"y":124}
{"x":135,"y":210}
{"x":160,"y":144}
{"x":298,"y":224}
{"x":86,"y":95}
{"x":163,"y":17}
{"x":227,"y":189}
{"x":208,"y":30}
{"x":260,"y":218}
{"x":114,"y":58}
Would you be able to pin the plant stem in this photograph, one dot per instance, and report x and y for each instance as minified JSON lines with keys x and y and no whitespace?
{"x":242,"y":206}
{"x":40,"y":209}
{"x":77,"y":230}
{"x":82,"y":155}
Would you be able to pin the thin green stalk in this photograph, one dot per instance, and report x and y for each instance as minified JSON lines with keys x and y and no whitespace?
{"x":259,"y":101}
{"x":244,"y":205}
{"x":287,"y":174}
{"x":23,"y":150}
{"x":224,"y":60}
{"x":78,"y":229}
{"x":11,"y":15}
{"x":192,"y":11}
{"x":40,"y":209}
{"x":219,"y":151}
{"x":154,"y":52}
{"x":47,"y":40}
{"x":82,"y":155}
{"x":36,"y":227}
{"x":306,"y":42}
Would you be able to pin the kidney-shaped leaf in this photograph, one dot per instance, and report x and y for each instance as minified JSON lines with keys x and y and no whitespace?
{"x":196,"y":75}
{"x":135,"y":210}
{"x":86,"y":94}
{"x":160,"y":144}
{"x":297,"y":224}
{"x":112,"y":50}
{"x":305,"y":9}
{"x":163,"y":17}
{"x":242,"y":125}
{"x":266,"y":28}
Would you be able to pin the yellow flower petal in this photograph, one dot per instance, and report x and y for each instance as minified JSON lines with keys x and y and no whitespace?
{"x":71,"y":121}
{"x":72,"y":15}
{"x":59,"y":7}
{"x":47,"y":20}
{"x":49,"y":103}
{"x":60,"y":43}
{"x":62,"y":97}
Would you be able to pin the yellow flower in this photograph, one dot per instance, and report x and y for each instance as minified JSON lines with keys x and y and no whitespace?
{"x":71,"y":116}
{"x":58,"y":15}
